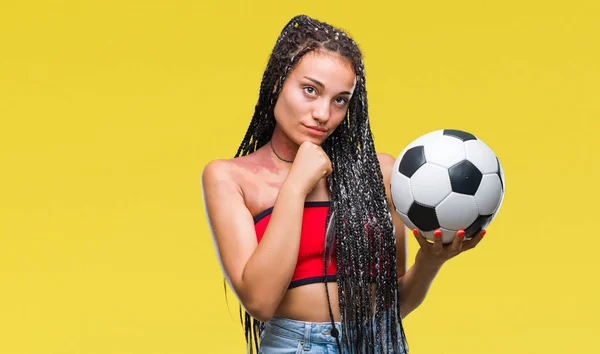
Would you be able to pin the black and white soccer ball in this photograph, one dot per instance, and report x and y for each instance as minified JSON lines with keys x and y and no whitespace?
{"x":448,"y":180}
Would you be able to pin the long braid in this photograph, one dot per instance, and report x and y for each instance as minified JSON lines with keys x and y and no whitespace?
{"x":360,"y":229}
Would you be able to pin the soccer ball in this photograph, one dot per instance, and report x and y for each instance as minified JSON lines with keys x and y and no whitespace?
{"x":448,"y":180}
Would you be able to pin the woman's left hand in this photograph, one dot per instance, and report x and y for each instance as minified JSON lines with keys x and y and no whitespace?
{"x":437,"y":253}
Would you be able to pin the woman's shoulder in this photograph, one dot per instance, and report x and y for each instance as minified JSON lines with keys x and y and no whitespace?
{"x":234,"y":171}
{"x":218,"y":168}
{"x":386,"y":163}
{"x":223,"y":169}
{"x":239,"y":177}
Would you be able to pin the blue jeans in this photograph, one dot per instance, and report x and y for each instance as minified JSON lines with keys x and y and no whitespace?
{"x":287,"y":336}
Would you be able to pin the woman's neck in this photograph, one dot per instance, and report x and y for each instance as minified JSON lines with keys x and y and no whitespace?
{"x":283,"y":148}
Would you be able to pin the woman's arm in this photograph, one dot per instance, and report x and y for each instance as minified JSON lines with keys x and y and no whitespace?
{"x":259,"y":274}
{"x":414,"y":284}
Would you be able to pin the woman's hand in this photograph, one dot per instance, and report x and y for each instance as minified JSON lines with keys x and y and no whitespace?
{"x":310,"y":165}
{"x":437,"y":253}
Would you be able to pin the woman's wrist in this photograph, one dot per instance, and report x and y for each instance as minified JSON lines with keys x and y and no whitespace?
{"x":428,"y":262}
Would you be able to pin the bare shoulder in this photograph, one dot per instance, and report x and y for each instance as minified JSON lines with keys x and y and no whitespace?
{"x":386,"y":159}
{"x":213,"y":167}
{"x":386,"y":163}
{"x":218,"y":172}
{"x":223,"y":170}
{"x":244,"y":178}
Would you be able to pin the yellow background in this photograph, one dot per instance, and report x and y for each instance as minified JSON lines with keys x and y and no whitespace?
{"x":109,"y":111}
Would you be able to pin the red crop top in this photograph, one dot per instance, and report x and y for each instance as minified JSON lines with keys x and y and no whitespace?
{"x":309,"y":267}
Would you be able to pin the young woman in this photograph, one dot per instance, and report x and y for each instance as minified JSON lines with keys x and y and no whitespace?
{"x":302,"y":218}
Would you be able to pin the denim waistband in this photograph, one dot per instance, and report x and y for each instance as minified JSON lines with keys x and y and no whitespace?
{"x":320,"y":332}
{"x":308,"y":332}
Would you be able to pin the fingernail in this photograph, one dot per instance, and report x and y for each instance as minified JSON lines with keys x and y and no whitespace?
{"x":437,"y":233}
{"x":416,"y":232}
{"x":482,"y":233}
{"x":460,"y":233}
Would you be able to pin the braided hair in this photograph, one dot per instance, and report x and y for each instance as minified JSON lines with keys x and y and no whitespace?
{"x":360,"y":228}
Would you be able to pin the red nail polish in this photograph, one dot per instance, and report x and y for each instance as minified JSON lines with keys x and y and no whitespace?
{"x":482,"y":233}
{"x":416,"y":232}
{"x":461,"y":233}
{"x":437,"y":233}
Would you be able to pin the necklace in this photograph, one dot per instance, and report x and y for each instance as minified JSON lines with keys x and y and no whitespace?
{"x":279,"y":157}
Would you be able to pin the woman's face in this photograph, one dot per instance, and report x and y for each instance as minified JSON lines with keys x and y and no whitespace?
{"x":318,"y":89}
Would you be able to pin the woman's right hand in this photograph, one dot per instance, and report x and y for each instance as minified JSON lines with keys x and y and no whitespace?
{"x":311,"y":164}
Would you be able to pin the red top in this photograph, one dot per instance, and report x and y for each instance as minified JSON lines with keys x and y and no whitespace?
{"x":309,"y":267}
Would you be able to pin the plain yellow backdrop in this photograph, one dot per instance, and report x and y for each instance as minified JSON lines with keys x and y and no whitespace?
{"x":109,"y":110}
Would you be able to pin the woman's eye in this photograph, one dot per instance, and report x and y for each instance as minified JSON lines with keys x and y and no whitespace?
{"x":310,"y":90}
{"x":341,"y":101}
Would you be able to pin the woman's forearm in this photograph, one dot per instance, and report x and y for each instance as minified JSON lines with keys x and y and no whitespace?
{"x":415,"y":283}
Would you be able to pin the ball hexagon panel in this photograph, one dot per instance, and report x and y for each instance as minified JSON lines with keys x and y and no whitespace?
{"x":459,"y":134}
{"x":465,"y":177}
{"x":402,"y":197}
{"x":445,"y":151}
{"x":412,"y":160}
{"x":489,"y":194}
{"x":430,"y":184}
{"x":481,"y":156}
{"x":457,"y":211}
{"x":423,"y":217}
